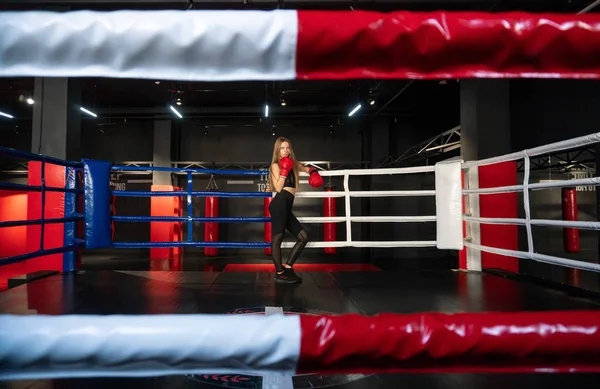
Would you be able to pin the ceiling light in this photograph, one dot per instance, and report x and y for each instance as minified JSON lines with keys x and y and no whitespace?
{"x":372,"y":102}
{"x":88,"y":112}
{"x":157,"y":82}
{"x":283,"y":103}
{"x":7,"y":115}
{"x":178,"y":102}
{"x":175,"y":111}
{"x":30,"y":101}
{"x":266,"y":110}
{"x":354,"y":110}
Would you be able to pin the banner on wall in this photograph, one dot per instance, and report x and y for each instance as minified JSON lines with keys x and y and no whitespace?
{"x":117,"y":184}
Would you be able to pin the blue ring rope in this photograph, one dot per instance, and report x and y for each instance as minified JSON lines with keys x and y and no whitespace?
{"x":39,"y":157}
{"x":18,"y":223}
{"x":127,"y":193}
{"x":194,"y":219}
{"x":181,"y":170}
{"x":137,"y":245}
{"x":39,"y":253}
{"x":34,"y":188}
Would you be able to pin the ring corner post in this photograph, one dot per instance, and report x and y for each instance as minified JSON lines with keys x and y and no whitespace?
{"x":70,"y":258}
{"x":448,"y":203}
{"x":41,"y":206}
{"x":470,"y":259}
{"x":97,"y":203}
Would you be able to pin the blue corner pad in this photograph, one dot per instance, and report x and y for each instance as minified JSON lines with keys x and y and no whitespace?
{"x":96,"y":185}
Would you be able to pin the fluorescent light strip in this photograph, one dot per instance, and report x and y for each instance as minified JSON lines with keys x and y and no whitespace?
{"x":354,"y":110}
{"x":88,"y":112}
{"x":267,"y":111}
{"x":175,"y":111}
{"x":6,"y":115}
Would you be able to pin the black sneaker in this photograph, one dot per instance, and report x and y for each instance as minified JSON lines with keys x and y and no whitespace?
{"x":290,"y":271}
{"x":286,"y":277}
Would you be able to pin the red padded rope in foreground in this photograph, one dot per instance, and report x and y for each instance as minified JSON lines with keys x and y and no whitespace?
{"x":434,"y":342}
{"x":341,"y":45}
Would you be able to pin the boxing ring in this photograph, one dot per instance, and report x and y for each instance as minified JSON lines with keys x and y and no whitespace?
{"x":287,"y":45}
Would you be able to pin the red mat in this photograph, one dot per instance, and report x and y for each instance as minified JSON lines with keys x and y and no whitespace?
{"x":302,"y":267}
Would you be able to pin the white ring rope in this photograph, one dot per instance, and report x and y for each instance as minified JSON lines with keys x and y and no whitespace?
{"x":592,"y":181}
{"x":535,"y":222}
{"x":375,"y":172}
{"x":538,"y":257}
{"x":374,"y":193}
{"x":367,"y":219}
{"x":353,"y":243}
{"x":348,"y":219}
{"x":526,"y":202}
{"x":546,"y":149}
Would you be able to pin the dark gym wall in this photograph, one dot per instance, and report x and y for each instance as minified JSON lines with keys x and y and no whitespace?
{"x":403,"y":132}
{"x":543,"y":112}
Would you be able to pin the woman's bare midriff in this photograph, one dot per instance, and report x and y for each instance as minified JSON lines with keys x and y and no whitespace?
{"x":291,"y":190}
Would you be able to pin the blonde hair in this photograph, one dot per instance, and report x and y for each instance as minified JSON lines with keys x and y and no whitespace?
{"x":277,"y":156}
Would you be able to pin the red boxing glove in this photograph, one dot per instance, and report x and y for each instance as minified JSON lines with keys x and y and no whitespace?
{"x":315,"y":180}
{"x":285,"y":166}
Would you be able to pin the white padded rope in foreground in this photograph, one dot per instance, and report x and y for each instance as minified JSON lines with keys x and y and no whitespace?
{"x":146,"y":345}
{"x":537,"y":257}
{"x":41,"y":346}
{"x":157,"y":45}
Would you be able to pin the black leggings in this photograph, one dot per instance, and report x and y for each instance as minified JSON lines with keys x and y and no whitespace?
{"x":282,"y":218}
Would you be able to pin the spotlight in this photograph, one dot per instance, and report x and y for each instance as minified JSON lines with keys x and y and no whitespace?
{"x":30,"y":101}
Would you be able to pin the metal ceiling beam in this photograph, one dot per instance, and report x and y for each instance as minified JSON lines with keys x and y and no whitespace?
{"x":440,"y":144}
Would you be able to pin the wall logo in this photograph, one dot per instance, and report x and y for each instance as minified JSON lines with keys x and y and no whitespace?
{"x":582,"y":174}
{"x":306,"y":381}
{"x":263,"y":183}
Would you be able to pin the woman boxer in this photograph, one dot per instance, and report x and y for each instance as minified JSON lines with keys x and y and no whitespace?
{"x":284,"y":182}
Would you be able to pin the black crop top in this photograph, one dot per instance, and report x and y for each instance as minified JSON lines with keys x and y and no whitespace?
{"x":290,"y":180}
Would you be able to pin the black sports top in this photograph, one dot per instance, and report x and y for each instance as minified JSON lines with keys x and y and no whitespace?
{"x":290,"y":180}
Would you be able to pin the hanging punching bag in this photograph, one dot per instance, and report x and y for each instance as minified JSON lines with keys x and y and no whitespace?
{"x":329,"y":231}
{"x":569,"y":211}
{"x":266,"y":213}
{"x":113,"y":212}
{"x":211,"y":229}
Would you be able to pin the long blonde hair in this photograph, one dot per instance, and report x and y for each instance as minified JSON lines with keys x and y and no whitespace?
{"x":277,"y":156}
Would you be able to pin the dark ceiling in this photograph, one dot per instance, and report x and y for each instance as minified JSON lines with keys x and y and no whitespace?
{"x":326,"y":101}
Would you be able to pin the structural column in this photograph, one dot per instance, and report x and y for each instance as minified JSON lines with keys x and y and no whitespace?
{"x":164,"y":206}
{"x":56,"y":130}
{"x":485,"y":133}
{"x":162,"y":151}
